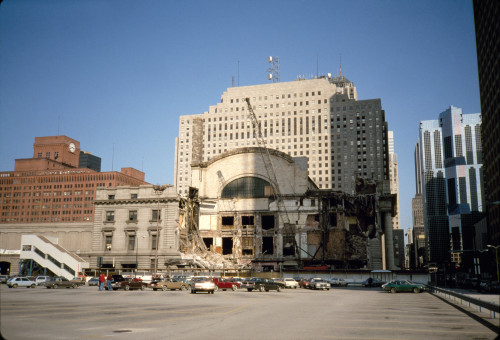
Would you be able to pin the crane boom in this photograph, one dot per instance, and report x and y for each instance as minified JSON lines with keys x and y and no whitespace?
{"x":271,"y":173}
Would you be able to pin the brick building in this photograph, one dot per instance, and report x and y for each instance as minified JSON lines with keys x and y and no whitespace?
{"x":51,"y":194}
{"x":52,"y":188}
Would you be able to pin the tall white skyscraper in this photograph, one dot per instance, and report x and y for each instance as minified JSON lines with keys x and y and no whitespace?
{"x":452,"y":183}
{"x":321,"y":119}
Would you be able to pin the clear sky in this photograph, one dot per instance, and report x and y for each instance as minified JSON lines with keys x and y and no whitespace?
{"x":116,"y":75}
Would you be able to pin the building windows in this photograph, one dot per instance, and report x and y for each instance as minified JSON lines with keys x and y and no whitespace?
{"x":110,"y":216}
{"x":156,"y":215}
{"x":154,"y":241}
{"x":108,"y":242}
{"x":131,"y":242}
{"x":132,"y":215}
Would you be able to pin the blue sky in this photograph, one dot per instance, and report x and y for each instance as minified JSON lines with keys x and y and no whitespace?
{"x":116,"y":75}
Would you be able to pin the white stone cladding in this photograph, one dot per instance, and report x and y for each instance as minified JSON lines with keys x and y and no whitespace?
{"x":320,"y":119}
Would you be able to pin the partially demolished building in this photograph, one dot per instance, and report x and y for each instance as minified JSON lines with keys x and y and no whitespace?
{"x":235,"y":210}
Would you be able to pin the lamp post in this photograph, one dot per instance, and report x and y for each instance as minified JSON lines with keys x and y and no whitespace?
{"x":158,"y":190}
{"x":496,"y":259}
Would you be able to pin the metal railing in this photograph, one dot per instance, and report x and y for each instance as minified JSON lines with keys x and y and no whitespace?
{"x":494,"y":309}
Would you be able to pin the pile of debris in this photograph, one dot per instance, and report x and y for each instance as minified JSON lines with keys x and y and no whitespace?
{"x":191,"y":244}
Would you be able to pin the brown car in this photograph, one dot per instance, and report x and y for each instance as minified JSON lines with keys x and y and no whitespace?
{"x":168,"y":284}
{"x":129,"y":284}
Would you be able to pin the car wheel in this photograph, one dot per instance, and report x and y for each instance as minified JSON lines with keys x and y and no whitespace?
{"x":212,"y":292}
{"x":73,"y":286}
{"x":416,"y":290}
{"x":183,"y":287}
{"x":234,"y":288}
{"x":393,"y":290}
{"x":143,"y":287}
{"x":328,"y":289}
{"x":14,"y":285}
{"x":249,"y":289}
{"x":294,"y":287}
{"x":54,"y":286}
{"x":279,"y":289}
{"x":127,"y":287}
{"x":261,"y":288}
{"x":192,"y":291}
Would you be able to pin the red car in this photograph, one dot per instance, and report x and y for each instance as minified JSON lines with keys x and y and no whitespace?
{"x":226,"y":283}
{"x":304,"y":283}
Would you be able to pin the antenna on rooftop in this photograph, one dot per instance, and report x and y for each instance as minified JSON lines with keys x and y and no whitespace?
{"x":341,"y":64}
{"x":317,"y":65}
{"x":274,"y":71}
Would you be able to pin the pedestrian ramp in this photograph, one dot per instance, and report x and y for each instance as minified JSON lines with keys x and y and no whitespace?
{"x":48,"y":254}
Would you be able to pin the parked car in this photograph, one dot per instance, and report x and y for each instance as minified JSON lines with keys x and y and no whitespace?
{"x":168,"y":284}
{"x":338,"y":282}
{"x":226,"y":283}
{"x":129,"y":284}
{"x":94,"y":281}
{"x":80,"y":281}
{"x":248,"y":283}
{"x":288,"y":282}
{"x":21,"y":281}
{"x":115,"y":282}
{"x":373,"y":282}
{"x":60,"y":282}
{"x":491,"y":287}
{"x":304,"y":283}
{"x":205,"y":285}
{"x":4,"y":278}
{"x":265,"y":285}
{"x":41,"y":279}
{"x":397,"y":286}
{"x":318,"y":283}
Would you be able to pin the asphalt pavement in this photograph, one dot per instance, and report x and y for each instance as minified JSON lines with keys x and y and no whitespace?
{"x":340,"y":313}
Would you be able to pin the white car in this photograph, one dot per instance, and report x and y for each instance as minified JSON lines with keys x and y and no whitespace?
{"x":203,"y":286}
{"x":40,"y":280}
{"x":338,"y":282}
{"x":21,"y":282}
{"x":289,"y":282}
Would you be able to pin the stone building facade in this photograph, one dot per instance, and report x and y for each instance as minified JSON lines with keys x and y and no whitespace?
{"x":135,"y":228}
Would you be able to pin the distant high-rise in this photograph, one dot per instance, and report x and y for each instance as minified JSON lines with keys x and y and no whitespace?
{"x":452,"y":191}
{"x":487,"y":24}
{"x":394,"y":179}
{"x":418,"y":231}
{"x":321,"y":119}
{"x":89,"y":161}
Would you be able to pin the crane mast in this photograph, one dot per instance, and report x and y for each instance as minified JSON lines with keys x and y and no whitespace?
{"x":271,"y":173}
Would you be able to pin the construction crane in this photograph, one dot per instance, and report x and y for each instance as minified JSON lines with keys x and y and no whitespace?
{"x":271,"y":173}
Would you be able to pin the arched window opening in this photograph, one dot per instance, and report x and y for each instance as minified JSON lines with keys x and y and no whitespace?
{"x":247,"y":187}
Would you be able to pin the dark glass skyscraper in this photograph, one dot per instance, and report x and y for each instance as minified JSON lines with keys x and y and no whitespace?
{"x":487,"y":22}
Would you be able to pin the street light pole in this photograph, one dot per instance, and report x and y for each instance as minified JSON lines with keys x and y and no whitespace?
{"x":496,"y":259}
{"x":158,"y":190}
